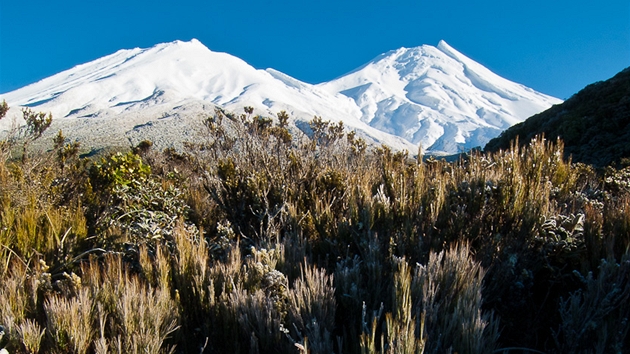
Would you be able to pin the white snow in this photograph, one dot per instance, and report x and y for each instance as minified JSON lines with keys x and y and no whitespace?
{"x":437,"y":97}
{"x":432,"y":96}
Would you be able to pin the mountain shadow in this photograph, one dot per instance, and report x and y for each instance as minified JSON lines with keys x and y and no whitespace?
{"x":594,"y":124}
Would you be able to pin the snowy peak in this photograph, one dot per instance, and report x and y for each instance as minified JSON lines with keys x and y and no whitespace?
{"x":178,"y":78}
{"x":438,"y":97}
{"x":450,"y":51}
{"x":184,"y":69}
{"x":486,"y":80}
{"x":434,"y":96}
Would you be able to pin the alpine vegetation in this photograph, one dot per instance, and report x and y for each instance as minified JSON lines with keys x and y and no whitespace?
{"x":259,"y":239}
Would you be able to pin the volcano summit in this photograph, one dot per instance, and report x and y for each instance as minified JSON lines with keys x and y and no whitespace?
{"x":433,"y":96}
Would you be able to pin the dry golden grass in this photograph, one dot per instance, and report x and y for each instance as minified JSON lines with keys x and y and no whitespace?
{"x":251,"y":242}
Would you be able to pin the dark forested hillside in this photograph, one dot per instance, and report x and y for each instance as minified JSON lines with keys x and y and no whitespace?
{"x":594,"y":123}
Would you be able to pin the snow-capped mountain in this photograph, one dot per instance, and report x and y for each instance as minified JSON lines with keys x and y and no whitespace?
{"x":437,"y":97}
{"x":433,"y":96}
{"x":156,"y":93}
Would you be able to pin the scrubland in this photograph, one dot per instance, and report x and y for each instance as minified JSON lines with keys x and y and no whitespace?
{"x":257,"y":241}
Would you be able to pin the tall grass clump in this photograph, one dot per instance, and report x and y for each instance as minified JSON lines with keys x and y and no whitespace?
{"x":132,"y":316}
{"x":69,"y":321}
{"x":448,"y":291}
{"x":402,"y":336}
{"x":311,"y":309}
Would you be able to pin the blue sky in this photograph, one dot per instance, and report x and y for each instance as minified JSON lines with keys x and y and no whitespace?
{"x":556,"y":47}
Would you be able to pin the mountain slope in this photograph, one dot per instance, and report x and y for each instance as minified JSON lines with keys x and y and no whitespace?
{"x":438,"y":97}
{"x":433,"y":96}
{"x":183,"y":70}
{"x":594,"y":123}
{"x":139,"y":86}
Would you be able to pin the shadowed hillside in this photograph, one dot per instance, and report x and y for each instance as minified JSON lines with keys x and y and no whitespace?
{"x":593,"y":123}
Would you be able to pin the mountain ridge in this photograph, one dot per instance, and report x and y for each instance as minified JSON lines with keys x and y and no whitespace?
{"x":438,"y":97}
{"x":177,"y":74}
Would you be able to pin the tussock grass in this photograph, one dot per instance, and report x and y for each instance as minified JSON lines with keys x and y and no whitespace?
{"x":264,"y":240}
{"x":69,"y":321}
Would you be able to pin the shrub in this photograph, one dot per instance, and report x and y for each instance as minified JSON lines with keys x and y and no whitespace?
{"x":261,"y":240}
